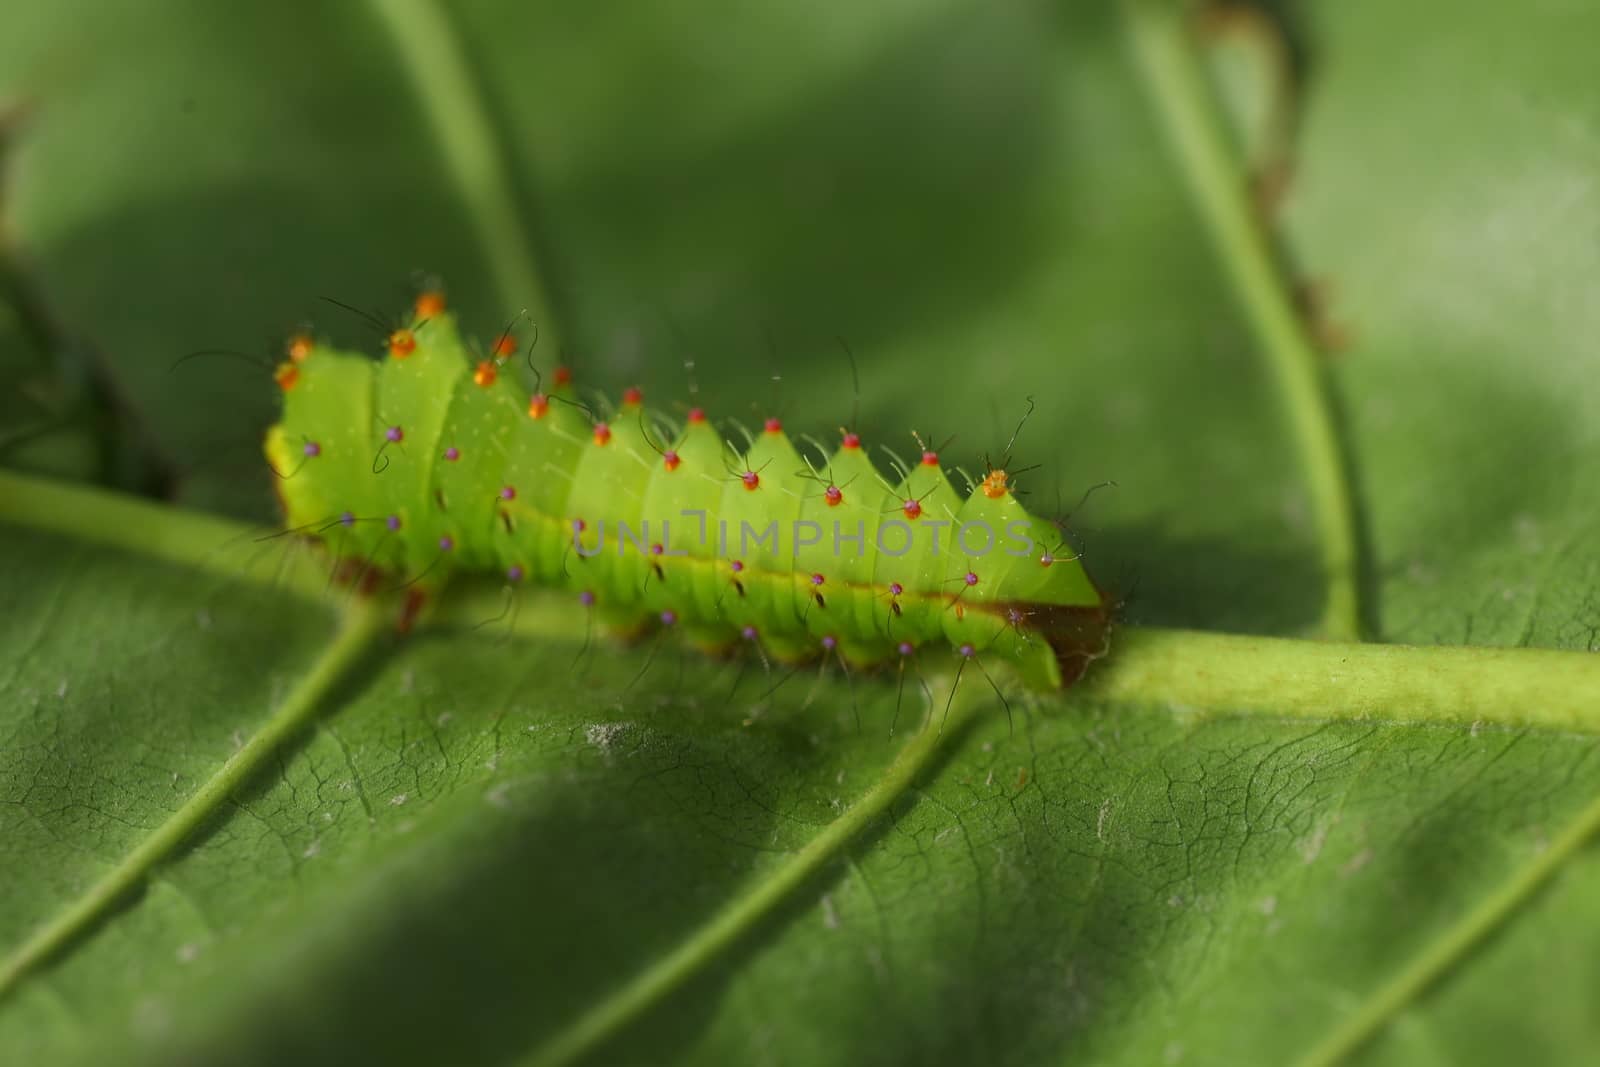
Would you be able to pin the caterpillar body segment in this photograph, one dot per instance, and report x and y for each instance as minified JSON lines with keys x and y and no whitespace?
{"x":430,"y":462}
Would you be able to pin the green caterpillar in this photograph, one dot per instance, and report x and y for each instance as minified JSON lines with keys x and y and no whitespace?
{"x":430,"y":462}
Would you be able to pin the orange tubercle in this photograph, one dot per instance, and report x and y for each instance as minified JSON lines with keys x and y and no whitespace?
{"x":994,"y":485}
{"x":602,"y":434}
{"x":504,"y":345}
{"x":485,"y":374}
{"x":538,"y":406}
{"x":286,"y":375}
{"x":299,"y":348}
{"x":402,"y":343}
{"x":430,"y":304}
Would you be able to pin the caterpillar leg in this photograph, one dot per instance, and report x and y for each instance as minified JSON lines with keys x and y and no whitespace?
{"x":416,"y":599}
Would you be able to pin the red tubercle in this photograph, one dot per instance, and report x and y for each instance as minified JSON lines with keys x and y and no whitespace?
{"x":773,"y":425}
{"x":452,"y":454}
{"x":485,"y":374}
{"x":670,"y":460}
{"x":402,"y":343}
{"x":430,"y":304}
{"x":697,"y":416}
{"x":833,"y":495}
{"x":286,"y":376}
{"x":632,"y":396}
{"x":561,"y":376}
{"x":912,"y":509}
{"x":538,"y":406}
{"x":504,"y":346}
{"x":602,"y":434}
{"x":930,"y":459}
{"x":851,"y":442}
{"x":751,"y":480}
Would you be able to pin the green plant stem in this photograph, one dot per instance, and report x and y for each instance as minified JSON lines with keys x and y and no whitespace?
{"x":1192,"y":672}
{"x":1188,"y":671}
{"x":155,"y":531}
{"x":431,"y":52}
{"x":1186,"y":104}
{"x":1198,"y":673}
{"x":359,"y":628}
{"x":726,"y":928}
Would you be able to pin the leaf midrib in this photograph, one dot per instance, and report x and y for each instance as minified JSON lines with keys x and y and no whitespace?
{"x":1192,"y":123}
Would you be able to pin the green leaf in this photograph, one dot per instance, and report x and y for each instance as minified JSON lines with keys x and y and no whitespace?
{"x":244,"y":822}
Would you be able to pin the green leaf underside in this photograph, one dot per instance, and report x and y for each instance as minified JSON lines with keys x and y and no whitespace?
{"x":366,"y":869}
{"x":485,"y":854}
